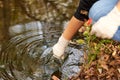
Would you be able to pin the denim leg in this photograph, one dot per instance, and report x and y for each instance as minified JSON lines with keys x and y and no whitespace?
{"x":101,"y":8}
{"x":117,"y":35}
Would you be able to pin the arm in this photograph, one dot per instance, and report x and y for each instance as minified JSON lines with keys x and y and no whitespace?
{"x":72,"y":28}
{"x":78,"y":19}
{"x":75,"y":23}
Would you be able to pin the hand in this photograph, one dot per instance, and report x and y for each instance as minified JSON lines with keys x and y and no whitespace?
{"x":59,"y":47}
{"x":50,"y":63}
{"x":48,"y":57}
{"x":108,"y":26}
{"x":52,"y":57}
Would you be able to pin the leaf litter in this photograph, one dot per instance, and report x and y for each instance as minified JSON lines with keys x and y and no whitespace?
{"x":102,"y":57}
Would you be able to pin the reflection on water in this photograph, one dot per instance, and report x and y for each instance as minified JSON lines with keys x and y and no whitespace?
{"x":20,"y":56}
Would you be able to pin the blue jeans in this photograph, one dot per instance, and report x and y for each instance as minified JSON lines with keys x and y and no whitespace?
{"x":100,"y":9}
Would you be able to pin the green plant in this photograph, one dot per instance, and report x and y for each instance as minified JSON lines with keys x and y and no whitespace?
{"x":102,"y":57}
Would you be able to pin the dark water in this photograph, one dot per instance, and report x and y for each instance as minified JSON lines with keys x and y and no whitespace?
{"x":20,"y":56}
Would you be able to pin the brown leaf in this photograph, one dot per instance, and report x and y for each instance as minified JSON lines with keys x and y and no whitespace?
{"x":104,"y":66}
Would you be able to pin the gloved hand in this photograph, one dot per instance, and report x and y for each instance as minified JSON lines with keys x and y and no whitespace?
{"x":57,"y":50}
{"x":52,"y":57}
{"x":59,"y":47}
{"x":50,"y":63}
{"x":108,"y":26}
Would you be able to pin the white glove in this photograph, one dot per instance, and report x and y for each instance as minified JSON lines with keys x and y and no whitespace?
{"x":59,"y":47}
{"x":107,"y":26}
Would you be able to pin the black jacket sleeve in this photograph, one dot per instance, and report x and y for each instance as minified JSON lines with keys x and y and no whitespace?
{"x":83,"y":9}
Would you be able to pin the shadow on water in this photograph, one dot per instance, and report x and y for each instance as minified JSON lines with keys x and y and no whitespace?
{"x":20,"y":56}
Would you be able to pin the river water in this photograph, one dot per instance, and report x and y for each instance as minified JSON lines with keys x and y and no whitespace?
{"x":20,"y":56}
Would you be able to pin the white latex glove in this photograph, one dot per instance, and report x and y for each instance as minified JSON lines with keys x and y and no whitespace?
{"x":59,"y":47}
{"x":107,"y":26}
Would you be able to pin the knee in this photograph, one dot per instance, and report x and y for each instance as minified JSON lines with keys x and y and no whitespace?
{"x":101,"y":8}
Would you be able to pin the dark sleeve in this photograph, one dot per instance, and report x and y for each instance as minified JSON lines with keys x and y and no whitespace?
{"x":83,"y":9}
